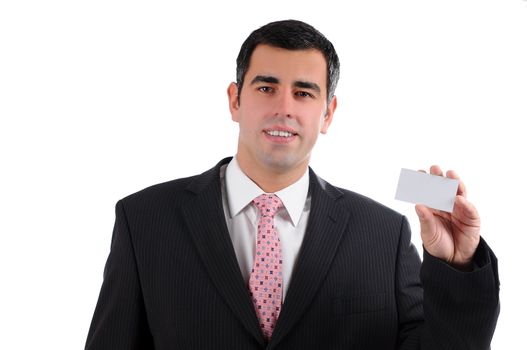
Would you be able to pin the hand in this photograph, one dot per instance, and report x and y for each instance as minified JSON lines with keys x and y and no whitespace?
{"x":454,"y":236}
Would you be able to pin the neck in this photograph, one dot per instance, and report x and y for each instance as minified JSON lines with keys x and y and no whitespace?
{"x":269,"y":179}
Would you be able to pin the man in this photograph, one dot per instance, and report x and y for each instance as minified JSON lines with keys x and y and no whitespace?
{"x":260,"y":253}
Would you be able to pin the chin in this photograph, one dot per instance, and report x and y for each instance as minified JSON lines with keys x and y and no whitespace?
{"x":283,"y":163}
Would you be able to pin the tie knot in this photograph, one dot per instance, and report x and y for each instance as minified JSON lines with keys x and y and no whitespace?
{"x":268,"y":204}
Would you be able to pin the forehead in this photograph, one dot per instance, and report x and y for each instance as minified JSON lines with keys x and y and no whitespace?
{"x":288,"y":65}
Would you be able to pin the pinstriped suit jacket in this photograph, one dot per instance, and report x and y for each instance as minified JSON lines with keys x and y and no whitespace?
{"x":172,"y":280}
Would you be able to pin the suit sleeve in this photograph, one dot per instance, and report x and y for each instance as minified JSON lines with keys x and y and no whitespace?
{"x":119,"y":321}
{"x":442,"y":308}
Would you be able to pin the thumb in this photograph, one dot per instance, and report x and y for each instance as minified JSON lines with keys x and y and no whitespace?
{"x":426,"y":219}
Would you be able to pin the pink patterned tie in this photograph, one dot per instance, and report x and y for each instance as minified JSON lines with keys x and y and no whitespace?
{"x":265,"y":283}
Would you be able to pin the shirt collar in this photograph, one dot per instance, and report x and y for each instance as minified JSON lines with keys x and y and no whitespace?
{"x":241,"y":190}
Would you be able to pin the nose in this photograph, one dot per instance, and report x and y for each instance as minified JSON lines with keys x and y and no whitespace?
{"x":284,"y":104}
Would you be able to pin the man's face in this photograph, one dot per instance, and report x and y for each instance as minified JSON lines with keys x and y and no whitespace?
{"x":283,"y":107}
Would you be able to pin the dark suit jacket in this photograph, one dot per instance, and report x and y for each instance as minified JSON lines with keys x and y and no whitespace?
{"x":172,"y":280}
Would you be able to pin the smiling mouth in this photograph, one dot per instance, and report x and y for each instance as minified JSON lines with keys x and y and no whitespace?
{"x":280,"y":133}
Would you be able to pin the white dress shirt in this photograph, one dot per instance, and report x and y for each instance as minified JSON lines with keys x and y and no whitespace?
{"x":238,"y":192}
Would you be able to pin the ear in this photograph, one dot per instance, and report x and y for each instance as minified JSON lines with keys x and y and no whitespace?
{"x":232,"y":93}
{"x":328,"y":118}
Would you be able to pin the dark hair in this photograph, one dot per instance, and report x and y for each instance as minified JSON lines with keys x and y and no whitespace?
{"x":290,"y":35}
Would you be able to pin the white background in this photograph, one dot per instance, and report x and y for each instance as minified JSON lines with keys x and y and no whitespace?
{"x":99,"y":99}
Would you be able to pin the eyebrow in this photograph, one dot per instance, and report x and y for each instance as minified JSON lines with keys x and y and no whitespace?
{"x":274,"y":80}
{"x":264,"y":79}
{"x":307,"y":85}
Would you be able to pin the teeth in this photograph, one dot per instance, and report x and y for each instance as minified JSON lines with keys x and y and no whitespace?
{"x":279,"y":133}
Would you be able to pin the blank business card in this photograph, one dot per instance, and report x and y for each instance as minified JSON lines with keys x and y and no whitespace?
{"x":434,"y":191}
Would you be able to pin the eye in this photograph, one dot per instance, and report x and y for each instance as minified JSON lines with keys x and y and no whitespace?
{"x":304,"y":94}
{"x":265,"y":89}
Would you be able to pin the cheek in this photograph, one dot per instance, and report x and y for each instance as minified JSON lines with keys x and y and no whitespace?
{"x":251,"y":110}
{"x":248,"y":123}
{"x":313,"y":111}
{"x":314,"y":121}
{"x":261,"y":106}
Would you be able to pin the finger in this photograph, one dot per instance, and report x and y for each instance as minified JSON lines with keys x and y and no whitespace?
{"x":468,"y":209}
{"x":452,"y":174}
{"x":425,"y":215}
{"x":461,"y":189}
{"x":436,"y":170}
{"x":426,"y":220}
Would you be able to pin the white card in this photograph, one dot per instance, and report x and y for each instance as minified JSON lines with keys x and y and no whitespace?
{"x":434,"y":191}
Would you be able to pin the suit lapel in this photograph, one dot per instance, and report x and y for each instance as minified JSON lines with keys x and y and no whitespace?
{"x":326,"y":225}
{"x":206,"y":221}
